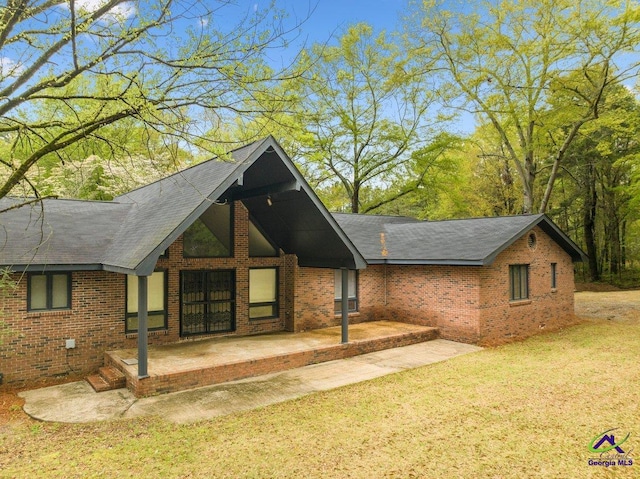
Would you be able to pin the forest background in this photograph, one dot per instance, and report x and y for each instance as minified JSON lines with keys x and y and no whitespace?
{"x":98,"y":97}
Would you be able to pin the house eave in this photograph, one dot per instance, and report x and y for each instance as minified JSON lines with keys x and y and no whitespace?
{"x":42,"y":268}
{"x":425,"y":262}
{"x":234,"y":187}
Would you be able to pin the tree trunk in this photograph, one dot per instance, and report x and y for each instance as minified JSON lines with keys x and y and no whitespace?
{"x":527,"y":186}
{"x":614,"y":242}
{"x":355,"y":198}
{"x":589,"y":219}
{"x":623,"y":244}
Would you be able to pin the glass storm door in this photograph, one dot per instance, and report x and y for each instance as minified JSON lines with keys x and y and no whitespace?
{"x":208,"y":302}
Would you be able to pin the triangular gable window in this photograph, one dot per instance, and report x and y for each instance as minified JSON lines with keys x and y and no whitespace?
{"x":210,"y":236}
{"x":259,"y":245}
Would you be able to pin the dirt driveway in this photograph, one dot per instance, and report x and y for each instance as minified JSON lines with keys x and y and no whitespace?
{"x":623,"y":306}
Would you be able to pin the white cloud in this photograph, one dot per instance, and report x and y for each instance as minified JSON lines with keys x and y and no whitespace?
{"x":124,"y":10}
{"x":9,"y":68}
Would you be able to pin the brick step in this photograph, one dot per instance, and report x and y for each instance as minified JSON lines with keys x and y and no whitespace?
{"x":106,"y":379}
{"x":114,"y":377}
{"x":98,"y":383}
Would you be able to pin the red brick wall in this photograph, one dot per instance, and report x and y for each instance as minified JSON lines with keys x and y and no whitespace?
{"x":446,"y":297}
{"x":429,"y":295}
{"x":240,"y":263}
{"x":315,"y":295}
{"x":467,"y":303}
{"x":35,"y":347}
{"x":503,"y":320}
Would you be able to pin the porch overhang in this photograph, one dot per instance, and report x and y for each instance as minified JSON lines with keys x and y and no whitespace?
{"x":290,"y":213}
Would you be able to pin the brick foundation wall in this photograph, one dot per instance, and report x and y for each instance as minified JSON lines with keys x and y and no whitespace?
{"x":503,"y":320}
{"x":160,"y":384}
{"x":36,"y":349}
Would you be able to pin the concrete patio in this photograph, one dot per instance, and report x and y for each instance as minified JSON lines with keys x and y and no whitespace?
{"x":198,"y":363}
{"x":78,"y":402}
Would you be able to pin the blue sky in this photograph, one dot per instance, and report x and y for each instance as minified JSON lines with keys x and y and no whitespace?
{"x":330,"y":16}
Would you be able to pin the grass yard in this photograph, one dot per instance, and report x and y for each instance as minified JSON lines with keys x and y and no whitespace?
{"x":528,"y":409}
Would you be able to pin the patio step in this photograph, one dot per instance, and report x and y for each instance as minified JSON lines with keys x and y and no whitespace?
{"x":107,"y":379}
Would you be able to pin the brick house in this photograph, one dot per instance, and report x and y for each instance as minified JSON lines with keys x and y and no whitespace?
{"x":245,"y":247}
{"x":479,"y":280}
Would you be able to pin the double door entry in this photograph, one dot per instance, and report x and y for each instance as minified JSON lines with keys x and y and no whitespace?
{"x":208,"y":302}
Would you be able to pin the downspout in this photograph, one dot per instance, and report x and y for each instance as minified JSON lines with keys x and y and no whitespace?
{"x":384,"y":252}
{"x":385,"y":283}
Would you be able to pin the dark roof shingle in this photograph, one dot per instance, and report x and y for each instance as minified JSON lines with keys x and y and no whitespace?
{"x":128,"y":234}
{"x":474,"y":241}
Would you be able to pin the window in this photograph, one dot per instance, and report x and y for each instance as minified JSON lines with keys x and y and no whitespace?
{"x":259,"y":245}
{"x":554,"y":275}
{"x":352,"y":293}
{"x":263,"y":293}
{"x":518,"y":282}
{"x":156,"y":302}
{"x":210,"y":236}
{"x":49,"y":291}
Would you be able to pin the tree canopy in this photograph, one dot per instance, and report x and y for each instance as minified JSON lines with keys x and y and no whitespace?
{"x":69,"y":69}
{"x":364,"y":118}
{"x":506,"y":62}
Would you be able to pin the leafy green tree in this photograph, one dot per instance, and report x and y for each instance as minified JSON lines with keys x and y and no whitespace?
{"x":365,"y":117}
{"x":598,"y":182}
{"x":432,"y":187}
{"x":7,"y":283}
{"x":70,"y":69}
{"x":503,"y":61}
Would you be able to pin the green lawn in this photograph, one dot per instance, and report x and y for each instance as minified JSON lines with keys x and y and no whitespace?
{"x":528,"y":409}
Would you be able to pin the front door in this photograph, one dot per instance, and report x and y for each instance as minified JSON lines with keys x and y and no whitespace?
{"x":208,"y":302}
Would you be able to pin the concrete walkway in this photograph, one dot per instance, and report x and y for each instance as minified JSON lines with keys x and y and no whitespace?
{"x":77,"y":402}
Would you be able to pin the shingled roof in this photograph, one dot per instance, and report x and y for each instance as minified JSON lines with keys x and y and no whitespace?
{"x":475,"y":241}
{"x":128,"y":234}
